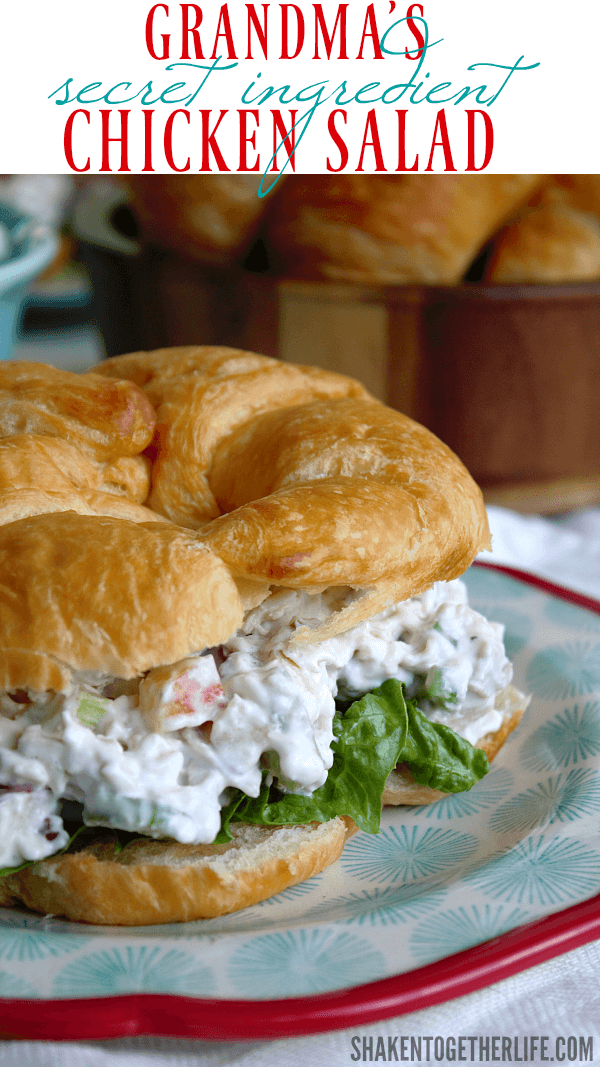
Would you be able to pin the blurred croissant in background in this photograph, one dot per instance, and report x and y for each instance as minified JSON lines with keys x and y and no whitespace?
{"x":382,"y":229}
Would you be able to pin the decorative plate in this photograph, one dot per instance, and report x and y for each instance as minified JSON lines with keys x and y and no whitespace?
{"x":521,"y":845}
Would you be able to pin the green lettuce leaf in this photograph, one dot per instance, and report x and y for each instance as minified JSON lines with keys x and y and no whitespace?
{"x":376,"y":733}
{"x":438,"y":757}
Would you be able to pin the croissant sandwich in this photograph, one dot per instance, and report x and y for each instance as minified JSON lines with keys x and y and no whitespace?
{"x":232,"y":626}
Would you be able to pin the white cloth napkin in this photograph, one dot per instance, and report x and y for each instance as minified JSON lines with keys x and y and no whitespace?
{"x":564,"y":550}
{"x":558,"y":999}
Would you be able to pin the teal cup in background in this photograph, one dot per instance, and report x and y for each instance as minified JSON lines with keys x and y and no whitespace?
{"x":33,"y":246}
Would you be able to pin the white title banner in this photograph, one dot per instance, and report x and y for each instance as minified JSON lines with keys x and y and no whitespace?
{"x":329,"y":87}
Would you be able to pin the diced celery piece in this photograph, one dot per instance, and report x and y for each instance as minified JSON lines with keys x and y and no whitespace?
{"x":91,"y":709}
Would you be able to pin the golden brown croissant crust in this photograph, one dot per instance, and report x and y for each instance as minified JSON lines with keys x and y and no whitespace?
{"x":98,"y":593}
{"x":72,"y":442}
{"x":103,"y":419}
{"x":394,"y":229}
{"x":30,"y":461}
{"x":209,"y":220}
{"x":554,"y":239}
{"x":291,"y":475}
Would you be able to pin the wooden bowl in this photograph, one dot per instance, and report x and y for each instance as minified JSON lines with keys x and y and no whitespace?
{"x":514,"y":388}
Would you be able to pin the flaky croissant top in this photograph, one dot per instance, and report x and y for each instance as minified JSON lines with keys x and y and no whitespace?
{"x":290,"y":476}
{"x":297,"y":477}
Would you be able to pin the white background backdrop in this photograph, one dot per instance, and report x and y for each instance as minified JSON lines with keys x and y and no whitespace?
{"x":544,"y":120}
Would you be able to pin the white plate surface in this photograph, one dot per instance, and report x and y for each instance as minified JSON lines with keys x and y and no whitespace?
{"x":523,"y":843}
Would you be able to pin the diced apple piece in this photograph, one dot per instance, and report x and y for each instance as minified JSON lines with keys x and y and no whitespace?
{"x":187,"y":693}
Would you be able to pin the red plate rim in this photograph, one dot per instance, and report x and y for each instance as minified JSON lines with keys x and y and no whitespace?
{"x":210,"y":1019}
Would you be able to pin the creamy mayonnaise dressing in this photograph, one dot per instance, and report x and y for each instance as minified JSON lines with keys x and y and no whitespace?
{"x":259,"y":698}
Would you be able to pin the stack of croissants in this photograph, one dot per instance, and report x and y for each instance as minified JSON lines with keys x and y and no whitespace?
{"x":383,"y":229}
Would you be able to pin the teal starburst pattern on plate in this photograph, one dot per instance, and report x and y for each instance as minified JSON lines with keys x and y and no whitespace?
{"x":570,"y":615}
{"x":483,"y":584}
{"x":12,"y":985}
{"x":24,"y":937}
{"x":405,"y":853}
{"x":563,"y":671}
{"x":562,"y":799}
{"x":485,"y":794}
{"x":293,"y":892}
{"x":391,"y":906}
{"x":541,"y":871}
{"x":134,"y":970}
{"x":571,"y":736}
{"x":452,"y":931}
{"x":301,"y":962}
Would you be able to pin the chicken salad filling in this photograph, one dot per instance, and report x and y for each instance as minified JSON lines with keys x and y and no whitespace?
{"x":164,"y":755}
